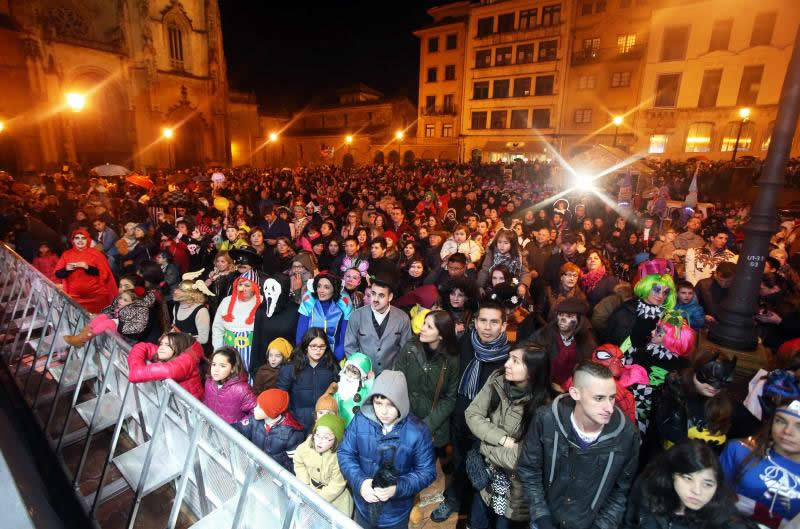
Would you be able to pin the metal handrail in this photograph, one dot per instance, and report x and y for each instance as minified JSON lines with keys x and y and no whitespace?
{"x":19,"y":280}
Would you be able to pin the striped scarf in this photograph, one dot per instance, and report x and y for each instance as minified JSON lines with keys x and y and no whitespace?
{"x":484,"y":353}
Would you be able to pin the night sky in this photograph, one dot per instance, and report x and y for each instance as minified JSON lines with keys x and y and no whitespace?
{"x":289,"y":55}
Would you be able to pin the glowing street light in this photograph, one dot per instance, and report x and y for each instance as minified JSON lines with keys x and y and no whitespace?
{"x":744,"y":114}
{"x":273,"y":136}
{"x":584,"y":182}
{"x":167,"y":132}
{"x":76,"y":101}
{"x":399,"y":135}
{"x":348,"y":140}
{"x":2,"y":126}
{"x":617,"y":122}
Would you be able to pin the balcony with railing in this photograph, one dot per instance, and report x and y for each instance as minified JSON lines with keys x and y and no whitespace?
{"x":594,"y":55}
{"x":449,"y":110}
{"x":535,"y":32}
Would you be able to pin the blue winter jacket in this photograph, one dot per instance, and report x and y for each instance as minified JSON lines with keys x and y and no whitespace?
{"x":304,"y":389}
{"x":281,"y":438}
{"x":694,"y":313}
{"x":364,"y":445}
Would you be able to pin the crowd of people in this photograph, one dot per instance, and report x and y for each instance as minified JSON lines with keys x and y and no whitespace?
{"x":369,"y":327}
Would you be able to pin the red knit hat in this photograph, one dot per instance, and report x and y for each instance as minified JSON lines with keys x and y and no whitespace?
{"x":273,"y":402}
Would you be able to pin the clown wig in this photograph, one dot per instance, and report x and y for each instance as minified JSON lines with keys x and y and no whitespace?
{"x":645,"y":285}
{"x":251,"y":277}
{"x":679,"y":337}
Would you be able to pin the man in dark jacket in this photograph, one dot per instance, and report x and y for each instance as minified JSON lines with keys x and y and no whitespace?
{"x":274,"y":226}
{"x":276,"y":317}
{"x":483,"y":350}
{"x":579,"y":457}
{"x":711,"y":291}
{"x":569,"y":252}
{"x":385,"y":434}
{"x":538,"y":252}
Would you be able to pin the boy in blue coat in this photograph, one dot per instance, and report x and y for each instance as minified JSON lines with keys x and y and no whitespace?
{"x":687,"y":303}
{"x":384,"y":433}
{"x":272,"y":428}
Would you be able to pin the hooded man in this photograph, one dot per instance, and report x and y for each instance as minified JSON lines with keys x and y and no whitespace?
{"x":235,"y":317}
{"x":385,"y":437}
{"x":354,"y":385}
{"x":276,"y":317}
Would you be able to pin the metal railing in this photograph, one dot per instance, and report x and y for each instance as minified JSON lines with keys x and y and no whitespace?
{"x":222,"y":478}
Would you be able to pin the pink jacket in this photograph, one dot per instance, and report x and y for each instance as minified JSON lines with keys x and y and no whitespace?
{"x":233,"y":401}
{"x":183,"y":369}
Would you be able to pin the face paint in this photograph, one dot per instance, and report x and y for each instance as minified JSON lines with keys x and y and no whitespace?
{"x":567,"y":322}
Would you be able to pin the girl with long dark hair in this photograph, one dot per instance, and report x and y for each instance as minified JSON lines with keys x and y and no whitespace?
{"x":326,"y":307}
{"x":683,"y":488}
{"x":499,"y":416}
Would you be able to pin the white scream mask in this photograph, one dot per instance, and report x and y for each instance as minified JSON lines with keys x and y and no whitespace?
{"x":272,"y":291}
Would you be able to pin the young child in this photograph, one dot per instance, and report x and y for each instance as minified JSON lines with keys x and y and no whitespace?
{"x":688,"y":304}
{"x":327,"y":404}
{"x":355,"y":382}
{"x":279,"y":351}
{"x":386,"y":437}
{"x":272,"y":428}
{"x":46,"y":262}
{"x":316,"y":465}
{"x":227,"y":392}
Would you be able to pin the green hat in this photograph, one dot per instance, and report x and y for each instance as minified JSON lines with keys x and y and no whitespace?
{"x":361,"y":361}
{"x":332,"y":422}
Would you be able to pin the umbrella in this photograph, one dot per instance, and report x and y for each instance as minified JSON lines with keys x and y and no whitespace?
{"x":111,"y":170}
{"x":175,"y":198}
{"x":139,"y":180}
{"x":217,"y":177}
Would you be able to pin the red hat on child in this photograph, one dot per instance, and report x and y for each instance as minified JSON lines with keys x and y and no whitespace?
{"x":273,"y":402}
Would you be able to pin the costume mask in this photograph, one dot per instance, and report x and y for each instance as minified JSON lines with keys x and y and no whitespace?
{"x":272,"y":291}
{"x":610,"y":356}
{"x":716,"y":373}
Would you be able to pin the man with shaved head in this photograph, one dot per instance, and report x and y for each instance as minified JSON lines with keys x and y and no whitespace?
{"x":579,"y":456}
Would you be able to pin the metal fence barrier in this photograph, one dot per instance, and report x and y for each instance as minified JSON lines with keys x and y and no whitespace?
{"x":223,"y":479}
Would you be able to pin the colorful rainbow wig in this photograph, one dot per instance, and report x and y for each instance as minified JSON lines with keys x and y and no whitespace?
{"x":679,"y":337}
{"x":645,"y":285}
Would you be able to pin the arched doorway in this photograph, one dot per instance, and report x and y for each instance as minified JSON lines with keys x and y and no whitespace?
{"x":408,"y":157}
{"x":8,"y":154}
{"x":347,"y":161}
{"x":100,"y":130}
{"x":394,"y":157}
{"x":476,"y":155}
{"x":188,"y":144}
{"x":378,"y":158}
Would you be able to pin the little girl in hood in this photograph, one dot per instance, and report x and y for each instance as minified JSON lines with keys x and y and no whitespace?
{"x":227,"y":392}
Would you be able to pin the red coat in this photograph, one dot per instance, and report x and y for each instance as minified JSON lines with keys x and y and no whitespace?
{"x":94,"y":293}
{"x":233,"y":401}
{"x":47,"y":266}
{"x":183,"y":369}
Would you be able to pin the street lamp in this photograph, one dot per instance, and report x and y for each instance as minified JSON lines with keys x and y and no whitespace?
{"x":75,"y":101}
{"x":399,"y":135}
{"x":168,"y":133}
{"x":273,"y":136}
{"x":348,"y":140}
{"x":2,"y":126}
{"x":744,"y":114}
{"x":617,"y":122}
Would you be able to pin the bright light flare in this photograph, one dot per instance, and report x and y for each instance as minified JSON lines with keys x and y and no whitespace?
{"x":584,"y":181}
{"x":76,"y":101}
{"x":167,"y":132}
{"x":744,"y":113}
{"x":273,"y":136}
{"x":618,"y":120}
{"x":2,"y":126}
{"x":399,"y":134}
{"x":348,"y":140}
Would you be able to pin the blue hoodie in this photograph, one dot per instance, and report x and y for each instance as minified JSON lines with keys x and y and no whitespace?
{"x":694,"y":312}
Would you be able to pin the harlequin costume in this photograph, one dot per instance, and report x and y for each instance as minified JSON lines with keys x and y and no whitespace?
{"x":235,"y":318}
{"x":331,"y":315}
{"x":350,"y":404}
{"x":94,"y":288}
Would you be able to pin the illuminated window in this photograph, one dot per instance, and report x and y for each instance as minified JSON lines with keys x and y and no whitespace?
{"x":620,"y":79}
{"x":447,"y":130}
{"x":625,"y":43}
{"x":175,"y":36}
{"x":658,"y":144}
{"x":587,"y":82}
{"x":583,"y":115}
{"x":699,"y":137}
{"x":745,"y":138}
{"x":430,"y":131}
{"x":767,"y":136}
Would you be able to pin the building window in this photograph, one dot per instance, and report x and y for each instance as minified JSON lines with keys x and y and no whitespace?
{"x":522,"y":87}
{"x":447,"y":103}
{"x":452,"y":42}
{"x":548,"y":50}
{"x":525,"y":54}
{"x":479,"y":120}
{"x":541,"y":118}
{"x":528,"y":18}
{"x":658,"y":144}
{"x":485,"y":26}
{"x":583,"y":115}
{"x":751,"y":82}
{"x":699,"y":137}
{"x":586,"y":9}
{"x":433,"y":44}
{"x":483,"y":58}
{"x":587,"y":82}
{"x":430,"y":131}
{"x":676,"y":39}
{"x":551,"y":15}
{"x":500,"y":88}
{"x":620,"y":79}
{"x":432,"y":75}
{"x":720,"y":35}
{"x":430,"y":103}
{"x":519,"y":119}
{"x":709,"y":88}
{"x":498,"y":119}
{"x":505,"y":23}
{"x":450,"y":72}
{"x":175,"y":36}
{"x":625,"y":43}
{"x":745,"y":138}
{"x":667,"y":90}
{"x":502,"y":56}
{"x":768,"y":136}
{"x":447,"y":130}
{"x":544,"y":85}
{"x":763,"y":26}
{"x":480,"y":90}
{"x":591,"y":47}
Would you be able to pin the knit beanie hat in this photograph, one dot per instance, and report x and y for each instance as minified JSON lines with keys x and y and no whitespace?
{"x":332,"y":422}
{"x":273,"y":402}
{"x":282,"y":345}
{"x":326,"y":402}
